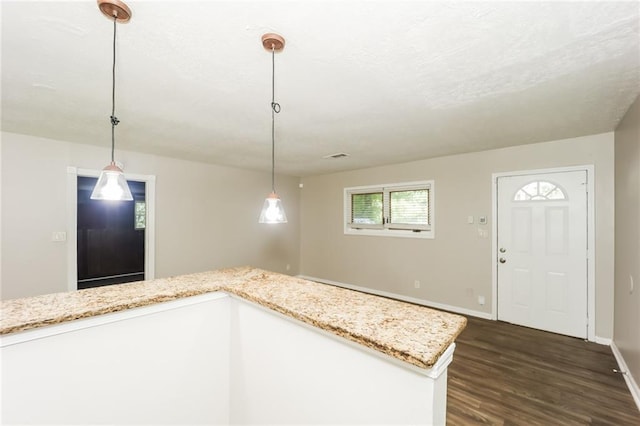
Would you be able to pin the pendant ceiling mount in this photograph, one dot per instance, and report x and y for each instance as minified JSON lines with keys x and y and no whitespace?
{"x":115,"y":9}
{"x":273,"y":42}
{"x":112,"y":184}
{"x":272,"y":209}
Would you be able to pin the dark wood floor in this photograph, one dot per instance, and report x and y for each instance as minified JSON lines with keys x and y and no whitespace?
{"x":503,"y":374}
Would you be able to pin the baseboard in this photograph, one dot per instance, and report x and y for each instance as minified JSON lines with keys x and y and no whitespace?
{"x":602,"y":340}
{"x":622,"y":366}
{"x":428,"y":303}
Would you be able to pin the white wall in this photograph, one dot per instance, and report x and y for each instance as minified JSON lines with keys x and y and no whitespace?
{"x":284,"y":372}
{"x":626,"y":334}
{"x":161,"y":364}
{"x":206,"y":215}
{"x":455,"y":267}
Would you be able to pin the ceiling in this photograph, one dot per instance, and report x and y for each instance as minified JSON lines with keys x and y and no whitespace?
{"x":384,"y":81}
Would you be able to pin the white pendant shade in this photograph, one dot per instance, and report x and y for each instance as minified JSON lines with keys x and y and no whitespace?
{"x":272,"y":210}
{"x":112,"y":186}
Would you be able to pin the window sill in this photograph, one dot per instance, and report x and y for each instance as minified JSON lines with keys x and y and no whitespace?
{"x":401,"y":233}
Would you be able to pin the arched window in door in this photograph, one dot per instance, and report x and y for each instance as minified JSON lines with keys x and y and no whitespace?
{"x":540,"y":190}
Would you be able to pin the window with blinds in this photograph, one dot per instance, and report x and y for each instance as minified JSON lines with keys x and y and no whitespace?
{"x":409,"y":208}
{"x":390,"y":210}
{"x":367,"y":209}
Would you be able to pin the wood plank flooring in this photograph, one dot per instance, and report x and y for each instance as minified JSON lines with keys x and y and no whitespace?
{"x":504,"y":374}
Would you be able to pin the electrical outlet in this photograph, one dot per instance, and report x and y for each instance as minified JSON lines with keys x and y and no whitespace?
{"x":59,"y":236}
{"x":480,"y":300}
{"x":482,"y":220}
{"x":416,"y":284}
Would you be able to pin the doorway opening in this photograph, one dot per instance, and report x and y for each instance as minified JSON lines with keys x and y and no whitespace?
{"x":110,"y":236}
{"x":104,"y":226}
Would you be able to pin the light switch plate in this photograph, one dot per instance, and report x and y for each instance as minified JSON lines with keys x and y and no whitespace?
{"x":469,"y":219}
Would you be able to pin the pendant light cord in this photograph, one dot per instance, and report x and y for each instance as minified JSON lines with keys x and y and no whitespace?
{"x":114,"y":119}
{"x":275,"y":109}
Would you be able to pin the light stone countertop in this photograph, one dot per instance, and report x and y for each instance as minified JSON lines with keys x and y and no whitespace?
{"x":412,"y":333}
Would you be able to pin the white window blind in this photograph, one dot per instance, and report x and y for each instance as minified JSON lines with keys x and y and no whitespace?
{"x":409,"y":209}
{"x":367,"y":209}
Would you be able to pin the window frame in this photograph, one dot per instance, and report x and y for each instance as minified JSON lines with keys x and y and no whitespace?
{"x":390,"y":229}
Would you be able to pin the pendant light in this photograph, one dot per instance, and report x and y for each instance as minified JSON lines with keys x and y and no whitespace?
{"x":272,"y":209}
{"x":112,"y":184}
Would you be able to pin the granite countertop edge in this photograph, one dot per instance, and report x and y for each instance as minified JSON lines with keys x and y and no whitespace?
{"x":293,"y":297}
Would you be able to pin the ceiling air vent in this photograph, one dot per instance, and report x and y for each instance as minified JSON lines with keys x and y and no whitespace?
{"x":337,"y":155}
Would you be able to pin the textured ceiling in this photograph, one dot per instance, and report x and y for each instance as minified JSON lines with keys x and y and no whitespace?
{"x":385,"y":81}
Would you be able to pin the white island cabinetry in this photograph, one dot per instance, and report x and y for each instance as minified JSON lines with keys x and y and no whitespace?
{"x":209,"y":359}
{"x":160,"y":364}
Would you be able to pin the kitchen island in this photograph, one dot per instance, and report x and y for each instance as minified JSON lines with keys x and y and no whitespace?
{"x":232,"y":346}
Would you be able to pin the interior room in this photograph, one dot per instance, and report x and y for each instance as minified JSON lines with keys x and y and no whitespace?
{"x":467,"y":103}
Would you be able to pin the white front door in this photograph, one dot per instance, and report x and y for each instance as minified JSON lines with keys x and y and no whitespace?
{"x":542,"y":251}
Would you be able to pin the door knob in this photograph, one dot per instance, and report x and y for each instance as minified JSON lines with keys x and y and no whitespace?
{"x":502,"y":260}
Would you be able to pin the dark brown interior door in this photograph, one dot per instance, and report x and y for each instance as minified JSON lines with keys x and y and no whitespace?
{"x":110,"y":239}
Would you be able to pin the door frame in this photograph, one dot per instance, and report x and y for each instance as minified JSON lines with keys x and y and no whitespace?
{"x":72,"y":222}
{"x":591,"y":246}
